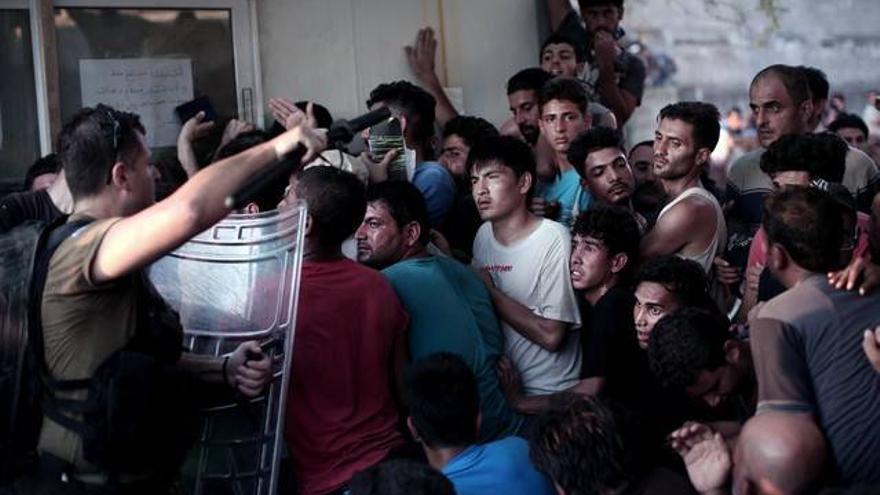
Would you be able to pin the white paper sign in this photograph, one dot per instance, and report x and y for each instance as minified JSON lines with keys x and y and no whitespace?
{"x":149,"y":87}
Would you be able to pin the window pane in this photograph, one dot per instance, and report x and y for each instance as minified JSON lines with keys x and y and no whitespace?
{"x":19,"y":133}
{"x":155,"y":55}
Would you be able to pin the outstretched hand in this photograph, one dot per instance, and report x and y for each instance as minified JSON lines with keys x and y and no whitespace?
{"x":195,"y":128}
{"x":422,"y":53}
{"x":233,"y":129}
{"x":288,"y":115}
{"x":861,"y":275}
{"x":705,"y":455}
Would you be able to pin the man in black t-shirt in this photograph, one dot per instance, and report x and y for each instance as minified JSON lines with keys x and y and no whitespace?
{"x":44,"y":204}
{"x":604,"y":248}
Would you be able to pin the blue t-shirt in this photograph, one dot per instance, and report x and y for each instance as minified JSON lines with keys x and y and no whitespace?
{"x":451,"y":311}
{"x":572,"y":197}
{"x":438,"y":188}
{"x":497,"y":467}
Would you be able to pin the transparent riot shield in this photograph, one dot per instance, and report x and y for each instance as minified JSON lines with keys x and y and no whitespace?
{"x":18,"y":429}
{"x":235,"y":282}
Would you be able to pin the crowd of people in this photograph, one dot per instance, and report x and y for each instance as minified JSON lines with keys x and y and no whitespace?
{"x":538,"y":310}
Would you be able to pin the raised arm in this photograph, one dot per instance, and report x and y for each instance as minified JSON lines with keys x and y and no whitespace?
{"x":421,"y":57}
{"x":140,"y":239}
{"x":618,"y":100}
{"x":557,"y":10}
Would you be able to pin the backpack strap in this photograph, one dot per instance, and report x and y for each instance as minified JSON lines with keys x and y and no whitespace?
{"x":49,"y":241}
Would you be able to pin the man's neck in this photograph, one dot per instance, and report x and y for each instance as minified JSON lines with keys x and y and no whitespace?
{"x":562,"y":162}
{"x":417,"y":250}
{"x":59,"y":193}
{"x":594,"y":294}
{"x":97,"y":207}
{"x":438,"y":458}
{"x":515,"y":226}
{"x":794,"y":275}
{"x":313,"y":251}
{"x":674,"y":187}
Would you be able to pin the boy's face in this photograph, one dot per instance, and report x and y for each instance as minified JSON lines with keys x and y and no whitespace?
{"x":561,"y":122}
{"x":497,"y":191}
{"x":559,"y":59}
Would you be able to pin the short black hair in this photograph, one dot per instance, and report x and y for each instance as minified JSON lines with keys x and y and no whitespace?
{"x":405,"y":204}
{"x":48,"y":164}
{"x":268,"y":197}
{"x":615,"y":226}
{"x":579,"y":447}
{"x":817,"y":81}
{"x":807,"y":223}
{"x":703,"y":118}
{"x":823,"y":156}
{"x":441,"y":394}
{"x":323,"y":118}
{"x":469,"y":129}
{"x":685,"y":343}
{"x":683,"y":278}
{"x":401,"y":477}
{"x":559,"y":39}
{"x":583,"y":4}
{"x":509,"y":151}
{"x":336,"y":202}
{"x":532,"y":79}
{"x":848,"y":121}
{"x":414,"y":102}
{"x":91,"y":142}
{"x":564,"y":89}
{"x":794,"y":80}
{"x":593,"y":139}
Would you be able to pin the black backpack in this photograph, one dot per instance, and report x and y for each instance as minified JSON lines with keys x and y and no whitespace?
{"x":141,"y":412}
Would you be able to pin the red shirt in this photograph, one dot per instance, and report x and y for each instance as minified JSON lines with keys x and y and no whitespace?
{"x":341,"y":413}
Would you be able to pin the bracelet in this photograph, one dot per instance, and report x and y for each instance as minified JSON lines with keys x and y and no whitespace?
{"x":225,"y":377}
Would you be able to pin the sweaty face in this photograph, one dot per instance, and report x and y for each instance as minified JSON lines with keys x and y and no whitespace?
{"x":559,"y":59}
{"x":608,"y":176}
{"x":380,"y":240}
{"x":561,"y":122}
{"x":653,"y":301}
{"x":854,"y":137}
{"x":714,"y":387}
{"x":497,"y":191}
{"x":775,"y":113}
{"x":641,"y":161}
{"x":674,"y":150}
{"x":590,"y":262}
{"x":602,"y":18}
{"x":526,"y":113}
{"x":454,"y":154}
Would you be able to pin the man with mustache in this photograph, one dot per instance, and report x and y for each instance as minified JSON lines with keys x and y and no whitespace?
{"x":691,"y":225}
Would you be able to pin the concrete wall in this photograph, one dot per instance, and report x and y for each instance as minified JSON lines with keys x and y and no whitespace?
{"x":336,"y":51}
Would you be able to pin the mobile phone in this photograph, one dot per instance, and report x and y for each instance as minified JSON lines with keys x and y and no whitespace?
{"x":384,"y":137}
{"x":189,"y":109}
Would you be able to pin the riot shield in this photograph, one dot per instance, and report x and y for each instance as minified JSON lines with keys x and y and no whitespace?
{"x":238,"y":281}
{"x":18,"y":426}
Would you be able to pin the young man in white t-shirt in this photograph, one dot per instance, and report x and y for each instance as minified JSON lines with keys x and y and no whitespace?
{"x":524,"y":261}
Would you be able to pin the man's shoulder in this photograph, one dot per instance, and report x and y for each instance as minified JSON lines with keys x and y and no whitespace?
{"x":859,"y":163}
{"x":432,"y":171}
{"x":747,"y":164}
{"x":797,"y":303}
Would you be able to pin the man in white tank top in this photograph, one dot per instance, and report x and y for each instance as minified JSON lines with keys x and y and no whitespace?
{"x":691,"y":225}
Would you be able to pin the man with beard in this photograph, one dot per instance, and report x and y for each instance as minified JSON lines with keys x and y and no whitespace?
{"x":598,"y":157}
{"x":691,"y":225}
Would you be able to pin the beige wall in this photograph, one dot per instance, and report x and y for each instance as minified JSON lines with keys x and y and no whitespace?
{"x":336,"y":51}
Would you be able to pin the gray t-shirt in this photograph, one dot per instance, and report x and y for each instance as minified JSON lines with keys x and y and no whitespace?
{"x":807,"y":349}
